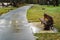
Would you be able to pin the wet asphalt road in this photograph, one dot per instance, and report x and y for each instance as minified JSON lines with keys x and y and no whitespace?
{"x":14,"y":25}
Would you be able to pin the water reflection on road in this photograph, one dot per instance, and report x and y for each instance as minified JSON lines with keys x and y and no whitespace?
{"x":35,"y":28}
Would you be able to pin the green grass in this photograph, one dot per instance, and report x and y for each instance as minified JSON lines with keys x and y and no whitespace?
{"x":6,"y":9}
{"x":47,"y":36}
{"x":36,"y":12}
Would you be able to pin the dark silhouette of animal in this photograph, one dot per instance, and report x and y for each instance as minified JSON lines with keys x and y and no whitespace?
{"x":49,"y":22}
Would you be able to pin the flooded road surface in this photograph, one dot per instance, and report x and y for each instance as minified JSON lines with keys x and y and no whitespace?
{"x":14,"y":25}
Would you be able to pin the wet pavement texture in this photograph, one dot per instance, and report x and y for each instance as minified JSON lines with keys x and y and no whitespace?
{"x":14,"y":25}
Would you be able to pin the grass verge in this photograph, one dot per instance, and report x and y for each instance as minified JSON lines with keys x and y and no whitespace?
{"x":47,"y":36}
{"x":36,"y":12}
{"x":6,"y":9}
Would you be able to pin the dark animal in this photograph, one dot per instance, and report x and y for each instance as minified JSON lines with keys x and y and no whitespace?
{"x":49,"y":23}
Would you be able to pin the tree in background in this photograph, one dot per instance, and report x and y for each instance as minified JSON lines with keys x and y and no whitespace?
{"x":56,"y":2}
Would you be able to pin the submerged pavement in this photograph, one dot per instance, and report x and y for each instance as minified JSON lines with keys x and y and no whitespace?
{"x":14,"y":25}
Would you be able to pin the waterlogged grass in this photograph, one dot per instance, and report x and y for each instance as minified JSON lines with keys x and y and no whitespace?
{"x":47,"y":36}
{"x":6,"y":9}
{"x":36,"y":12}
